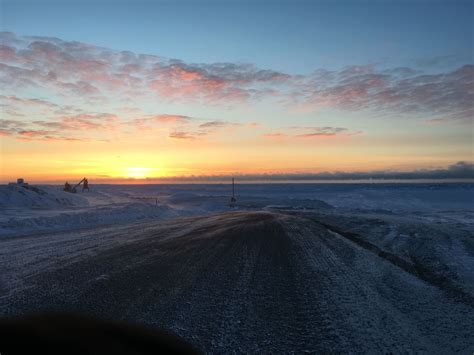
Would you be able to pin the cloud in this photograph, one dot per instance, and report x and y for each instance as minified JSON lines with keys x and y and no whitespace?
{"x":297,"y":132}
{"x":202,"y":130}
{"x":149,"y":122}
{"x":68,"y":122}
{"x":170,"y":118}
{"x":9,"y":124}
{"x":84,"y":69}
{"x":44,"y":135}
{"x":34,"y":133}
{"x":53,"y":117}
{"x":79,"y":88}
{"x":19,"y":101}
{"x":211,"y":125}
{"x":10,"y":127}
{"x":211,"y":81}
{"x":70,"y":128}
{"x":449,"y":96}
{"x":254,"y":124}
{"x":181,"y":135}
{"x":81,"y":122}
{"x":459,"y":170}
{"x":79,"y":71}
{"x":162,"y":118}
{"x":274,"y":135}
{"x":312,"y":132}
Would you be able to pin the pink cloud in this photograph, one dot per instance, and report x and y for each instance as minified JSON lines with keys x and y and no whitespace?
{"x":7,"y":54}
{"x":276,"y":135}
{"x":143,"y":123}
{"x":76,"y":70}
{"x":254,"y":124}
{"x":56,"y":125}
{"x":32,"y":133}
{"x":169,"y":118}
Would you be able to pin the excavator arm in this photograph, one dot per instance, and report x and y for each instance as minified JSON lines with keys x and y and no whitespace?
{"x":79,"y":183}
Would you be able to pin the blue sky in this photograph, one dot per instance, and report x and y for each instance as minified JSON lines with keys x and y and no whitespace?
{"x":291,"y":36}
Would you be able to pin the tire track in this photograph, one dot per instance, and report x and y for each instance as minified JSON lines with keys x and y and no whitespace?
{"x":415,"y":268}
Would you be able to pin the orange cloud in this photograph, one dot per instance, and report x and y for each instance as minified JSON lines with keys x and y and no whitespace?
{"x":181,"y":135}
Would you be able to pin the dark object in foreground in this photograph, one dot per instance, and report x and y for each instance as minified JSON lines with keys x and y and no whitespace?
{"x":73,"y":334}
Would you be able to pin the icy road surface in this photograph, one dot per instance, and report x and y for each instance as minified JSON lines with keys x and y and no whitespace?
{"x":245,"y":282}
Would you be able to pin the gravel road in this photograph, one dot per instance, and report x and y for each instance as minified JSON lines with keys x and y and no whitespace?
{"x":238,"y":282}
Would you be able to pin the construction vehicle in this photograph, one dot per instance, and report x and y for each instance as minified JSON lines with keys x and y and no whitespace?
{"x":73,"y":189}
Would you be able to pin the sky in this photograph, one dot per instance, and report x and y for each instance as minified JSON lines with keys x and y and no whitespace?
{"x":117,"y":90}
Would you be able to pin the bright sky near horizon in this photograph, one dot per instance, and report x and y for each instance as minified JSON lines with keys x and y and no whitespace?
{"x":143,"y":89}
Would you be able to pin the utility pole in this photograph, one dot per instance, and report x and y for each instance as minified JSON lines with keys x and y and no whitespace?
{"x":232,"y":199}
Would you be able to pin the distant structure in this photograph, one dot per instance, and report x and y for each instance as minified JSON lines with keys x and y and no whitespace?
{"x":233,"y":200}
{"x":19,"y":182}
{"x":73,"y":189}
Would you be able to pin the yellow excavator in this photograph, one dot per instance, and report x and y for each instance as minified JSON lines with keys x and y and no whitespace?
{"x":73,"y":189}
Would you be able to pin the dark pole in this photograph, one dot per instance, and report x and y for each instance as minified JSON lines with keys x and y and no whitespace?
{"x":233,"y":194}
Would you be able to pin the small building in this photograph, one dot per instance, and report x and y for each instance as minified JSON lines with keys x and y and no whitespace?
{"x":19,"y":182}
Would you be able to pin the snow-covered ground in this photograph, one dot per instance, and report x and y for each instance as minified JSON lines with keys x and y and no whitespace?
{"x":48,"y":208}
{"x":293,"y":267}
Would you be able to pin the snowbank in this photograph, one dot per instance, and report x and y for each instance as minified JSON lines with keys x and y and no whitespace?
{"x":86,"y":218}
{"x":15,"y":196}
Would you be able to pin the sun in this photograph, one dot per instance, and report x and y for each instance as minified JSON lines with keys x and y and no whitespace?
{"x":138,"y":172}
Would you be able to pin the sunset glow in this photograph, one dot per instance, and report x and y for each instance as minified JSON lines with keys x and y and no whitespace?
{"x":138,"y":173}
{"x":74,"y":104}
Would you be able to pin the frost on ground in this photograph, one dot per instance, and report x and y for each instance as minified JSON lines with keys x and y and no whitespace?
{"x":49,"y":208}
{"x":286,"y":271}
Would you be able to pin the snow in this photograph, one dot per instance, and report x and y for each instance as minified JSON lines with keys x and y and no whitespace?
{"x":374,"y":267}
{"x":44,"y":197}
{"x":431,"y":224}
{"x":49,"y":208}
{"x":239,"y":281}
